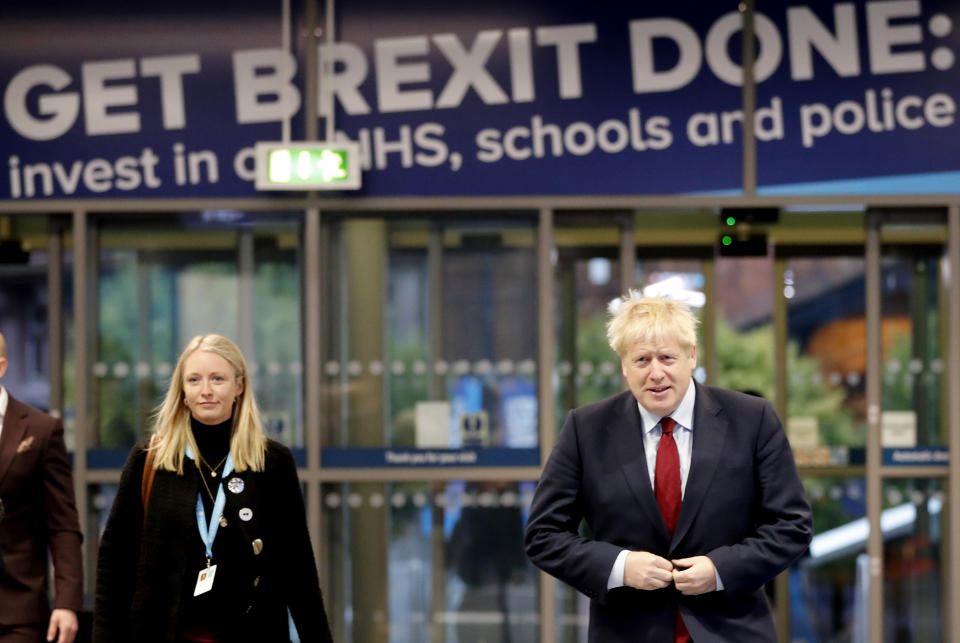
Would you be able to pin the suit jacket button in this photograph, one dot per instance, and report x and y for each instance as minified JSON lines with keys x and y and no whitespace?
{"x":256,"y":581}
{"x":257,"y":547}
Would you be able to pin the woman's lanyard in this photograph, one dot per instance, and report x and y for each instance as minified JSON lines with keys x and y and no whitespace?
{"x":208,"y":529}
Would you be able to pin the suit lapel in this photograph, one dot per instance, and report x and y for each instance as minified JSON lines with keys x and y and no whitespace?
{"x":629,"y":438}
{"x":709,"y":433}
{"x":14,"y":429}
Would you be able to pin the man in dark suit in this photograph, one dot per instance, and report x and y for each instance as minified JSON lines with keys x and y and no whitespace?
{"x":690,"y":494}
{"x":36,"y":489}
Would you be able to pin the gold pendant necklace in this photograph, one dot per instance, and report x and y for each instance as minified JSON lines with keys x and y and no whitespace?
{"x":213,"y":470}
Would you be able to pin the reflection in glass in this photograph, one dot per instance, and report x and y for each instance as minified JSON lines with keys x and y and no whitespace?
{"x":745,"y":345}
{"x":24,"y":312}
{"x":162,"y":282}
{"x":432,"y":334}
{"x":826,"y":355}
{"x":825,"y":590}
{"x":913,"y":350}
{"x":913,"y":559}
{"x":415,"y":561}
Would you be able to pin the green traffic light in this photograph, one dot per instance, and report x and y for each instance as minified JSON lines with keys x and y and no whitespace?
{"x":726,"y":240}
{"x":731,"y":221}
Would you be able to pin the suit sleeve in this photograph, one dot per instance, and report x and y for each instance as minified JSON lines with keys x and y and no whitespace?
{"x":304,"y":597}
{"x":63,"y":529}
{"x":784,"y":525}
{"x":119,"y":554}
{"x":553,"y":541}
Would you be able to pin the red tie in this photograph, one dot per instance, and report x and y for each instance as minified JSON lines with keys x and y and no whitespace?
{"x":666,"y":486}
{"x":666,"y":483}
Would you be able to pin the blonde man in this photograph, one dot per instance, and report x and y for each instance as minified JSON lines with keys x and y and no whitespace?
{"x":216,"y":548}
{"x":690,"y":492}
{"x":38,"y":515}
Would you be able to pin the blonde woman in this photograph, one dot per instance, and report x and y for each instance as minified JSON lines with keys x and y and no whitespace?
{"x":207,"y":538}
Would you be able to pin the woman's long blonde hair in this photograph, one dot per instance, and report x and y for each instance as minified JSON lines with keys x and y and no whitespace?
{"x":171,"y":429}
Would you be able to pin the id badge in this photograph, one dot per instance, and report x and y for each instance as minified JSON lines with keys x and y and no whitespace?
{"x":205,"y":580}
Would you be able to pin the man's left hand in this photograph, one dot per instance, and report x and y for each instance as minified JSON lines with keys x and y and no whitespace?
{"x":696,"y":575}
{"x":63,"y":622}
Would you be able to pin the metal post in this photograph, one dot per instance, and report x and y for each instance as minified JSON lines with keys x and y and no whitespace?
{"x":874,"y":481}
{"x":953,"y":369}
{"x":545,"y":359}
{"x":55,"y":350}
{"x":81,"y":376}
{"x":748,"y":98}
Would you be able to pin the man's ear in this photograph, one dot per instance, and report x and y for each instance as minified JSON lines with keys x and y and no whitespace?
{"x":3,"y":366}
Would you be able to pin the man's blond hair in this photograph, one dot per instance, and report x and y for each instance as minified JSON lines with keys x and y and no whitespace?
{"x":636,"y":318}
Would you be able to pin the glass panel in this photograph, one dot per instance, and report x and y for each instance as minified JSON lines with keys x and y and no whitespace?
{"x":164,"y":280}
{"x":23,"y":308}
{"x":827,"y":596}
{"x":414,"y":560}
{"x":914,"y":557}
{"x":826,"y":356}
{"x":431,"y":334}
{"x":914,"y":348}
{"x":586,"y":280}
{"x":745,"y":344}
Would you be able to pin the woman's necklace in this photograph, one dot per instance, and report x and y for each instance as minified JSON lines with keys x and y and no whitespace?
{"x":213,"y":501}
{"x":205,"y":485}
{"x":213,"y":470}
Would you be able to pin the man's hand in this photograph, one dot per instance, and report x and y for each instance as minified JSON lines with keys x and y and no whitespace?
{"x":643,"y":570}
{"x":64,"y":623}
{"x":696,"y":575}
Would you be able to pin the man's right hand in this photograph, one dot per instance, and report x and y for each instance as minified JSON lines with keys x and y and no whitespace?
{"x":643,"y":570}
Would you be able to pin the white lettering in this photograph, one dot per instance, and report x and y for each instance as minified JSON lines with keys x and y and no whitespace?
{"x":567,"y":40}
{"x":391,"y":74}
{"x":170,"y":70}
{"x":807,"y":33}
{"x":646,"y":79}
{"x":62,"y":109}
{"x":882,"y":37}
{"x":99,"y":98}
{"x":263,"y":85}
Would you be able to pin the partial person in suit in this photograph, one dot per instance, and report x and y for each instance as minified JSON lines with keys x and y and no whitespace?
{"x":38,"y":516}
{"x":690,"y":493}
{"x":216,"y":547}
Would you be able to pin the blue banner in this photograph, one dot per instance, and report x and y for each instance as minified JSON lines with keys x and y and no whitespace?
{"x":495,"y":98}
{"x":404,"y":457}
{"x":935,"y":456}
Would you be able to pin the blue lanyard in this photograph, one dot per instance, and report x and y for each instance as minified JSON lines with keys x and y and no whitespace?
{"x":208,"y":530}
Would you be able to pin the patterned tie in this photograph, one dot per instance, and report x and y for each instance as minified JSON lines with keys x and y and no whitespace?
{"x":666,"y":486}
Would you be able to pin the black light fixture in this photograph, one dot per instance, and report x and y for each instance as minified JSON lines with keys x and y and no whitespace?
{"x":737,"y":239}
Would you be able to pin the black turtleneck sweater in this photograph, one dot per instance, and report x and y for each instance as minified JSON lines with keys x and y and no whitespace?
{"x":210,"y":613}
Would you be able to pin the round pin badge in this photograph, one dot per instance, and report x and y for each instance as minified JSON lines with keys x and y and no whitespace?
{"x":246,"y":514}
{"x":235,"y":485}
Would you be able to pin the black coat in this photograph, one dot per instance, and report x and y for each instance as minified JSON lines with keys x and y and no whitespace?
{"x":141,"y":567}
{"x":744,"y":507}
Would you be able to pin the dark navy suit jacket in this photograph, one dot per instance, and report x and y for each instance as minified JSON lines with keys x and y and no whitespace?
{"x":743,"y":506}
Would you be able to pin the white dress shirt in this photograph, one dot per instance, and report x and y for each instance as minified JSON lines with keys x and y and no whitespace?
{"x":683,"y":436}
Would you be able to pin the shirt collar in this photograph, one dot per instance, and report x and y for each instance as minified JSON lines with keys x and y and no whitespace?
{"x":683,"y":415}
{"x":4,"y":399}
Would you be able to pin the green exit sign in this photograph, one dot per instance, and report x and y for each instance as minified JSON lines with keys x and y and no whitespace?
{"x":308,"y":166}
